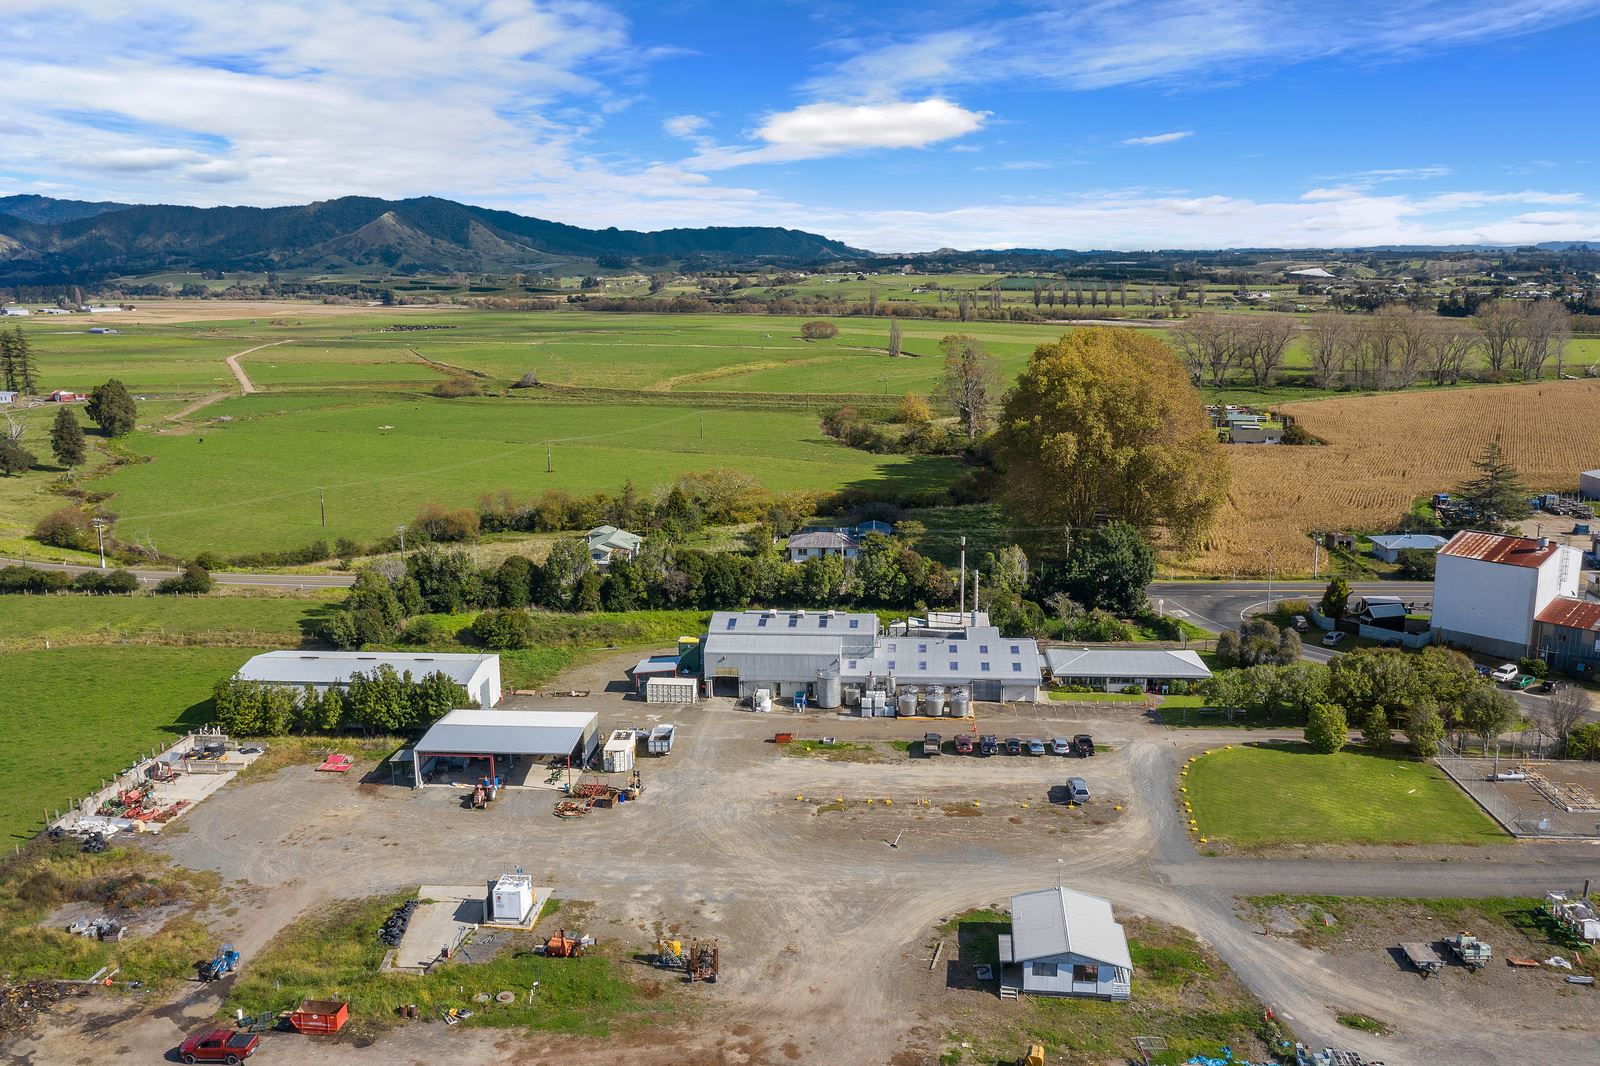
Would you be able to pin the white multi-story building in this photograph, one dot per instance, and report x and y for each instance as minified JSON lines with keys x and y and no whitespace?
{"x":1489,"y":587}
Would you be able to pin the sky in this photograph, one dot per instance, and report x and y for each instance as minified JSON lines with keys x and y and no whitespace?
{"x":892,"y":126}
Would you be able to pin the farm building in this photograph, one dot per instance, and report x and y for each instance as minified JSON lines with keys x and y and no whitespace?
{"x":1566,"y":634}
{"x":654,"y":666}
{"x":1113,"y":669}
{"x":322,"y":670}
{"x":1389,"y":546}
{"x":1488,"y":588}
{"x":609,"y":542}
{"x":1589,"y":484}
{"x":471,"y":743}
{"x":7,"y":396}
{"x":817,"y":543}
{"x":1064,"y":943}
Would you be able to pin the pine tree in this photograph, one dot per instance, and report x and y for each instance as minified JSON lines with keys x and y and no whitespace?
{"x":66,"y":438}
{"x":22,"y":359}
{"x":8,"y":360}
{"x":113,"y":409}
{"x":1497,"y":495}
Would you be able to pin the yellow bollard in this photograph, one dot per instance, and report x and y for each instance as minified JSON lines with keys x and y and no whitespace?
{"x":1024,"y":806}
{"x":888,"y":802}
{"x":1202,"y":840}
{"x":1118,"y":807}
{"x":799,"y":799}
{"x":977,"y":803}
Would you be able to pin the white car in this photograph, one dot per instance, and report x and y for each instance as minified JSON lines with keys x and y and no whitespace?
{"x":1505,"y":672}
{"x":1334,"y":639}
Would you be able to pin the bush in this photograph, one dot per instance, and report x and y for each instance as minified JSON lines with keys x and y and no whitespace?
{"x":14,"y":458}
{"x":457,"y":387}
{"x":66,"y":528}
{"x":1178,"y":688}
{"x":423,"y":630}
{"x":1533,"y":667}
{"x":503,"y":628}
{"x":818,"y":331}
{"x":441,"y":524}
{"x":195,"y":580}
{"x":1327,"y":731}
{"x":1131,"y":690}
{"x":106,"y":583}
{"x":1416,"y":565}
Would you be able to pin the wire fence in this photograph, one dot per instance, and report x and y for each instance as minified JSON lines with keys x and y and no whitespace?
{"x":1497,"y":785}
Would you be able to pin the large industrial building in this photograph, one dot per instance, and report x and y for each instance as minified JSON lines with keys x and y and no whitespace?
{"x":1488,"y":588}
{"x":467,"y":744}
{"x":322,"y":670}
{"x":832,"y":658}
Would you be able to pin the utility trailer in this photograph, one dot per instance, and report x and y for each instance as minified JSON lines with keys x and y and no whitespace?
{"x":1422,"y":958}
{"x":660,"y":740}
{"x":1473,"y":953}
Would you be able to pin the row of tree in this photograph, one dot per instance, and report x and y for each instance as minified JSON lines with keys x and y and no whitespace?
{"x":17,"y":368}
{"x":110,"y":406}
{"x":382,"y":701}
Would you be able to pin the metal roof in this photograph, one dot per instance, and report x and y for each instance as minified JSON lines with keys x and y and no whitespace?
{"x":472,"y":732}
{"x":1569,"y":613}
{"x":612,"y":537}
{"x":1409,"y":541}
{"x":335,"y":667}
{"x":978,"y":653}
{"x":1061,"y":921}
{"x":1499,"y":548}
{"x":824,"y":539}
{"x":1126,"y":662}
{"x":794,"y":623}
{"x":656,"y":664}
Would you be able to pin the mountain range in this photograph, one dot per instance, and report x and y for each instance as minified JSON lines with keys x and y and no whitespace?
{"x":48,"y":239}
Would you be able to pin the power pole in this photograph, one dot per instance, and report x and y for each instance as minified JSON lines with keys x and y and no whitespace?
{"x":400,"y":531}
{"x":963,"y":575}
{"x":322,"y":504}
{"x":547,"y":466}
{"x":100,"y":538}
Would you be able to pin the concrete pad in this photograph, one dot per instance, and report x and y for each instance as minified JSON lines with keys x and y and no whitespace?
{"x":439,"y":924}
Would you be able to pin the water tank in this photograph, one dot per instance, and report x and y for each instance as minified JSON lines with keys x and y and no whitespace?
{"x":511,"y":899}
{"x":935,"y":702}
{"x":960,"y":703}
{"x":908,"y":703}
{"x":761,"y":702}
{"x":830,"y":690}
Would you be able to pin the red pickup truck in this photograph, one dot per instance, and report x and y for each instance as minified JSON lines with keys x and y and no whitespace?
{"x":219,"y":1045}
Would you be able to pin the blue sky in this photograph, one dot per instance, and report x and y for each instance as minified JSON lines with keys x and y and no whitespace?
{"x":894,"y":126}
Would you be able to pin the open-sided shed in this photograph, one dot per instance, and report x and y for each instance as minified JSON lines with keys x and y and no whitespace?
{"x":505,"y":737}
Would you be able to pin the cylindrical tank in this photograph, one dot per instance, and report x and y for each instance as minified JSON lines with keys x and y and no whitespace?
{"x":761,"y":702}
{"x":908,"y":703}
{"x":830,"y":690}
{"x":960,"y":703}
{"x":935,"y":702}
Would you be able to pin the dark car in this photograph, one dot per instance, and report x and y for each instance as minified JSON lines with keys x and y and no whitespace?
{"x":219,"y":1045}
{"x":1013,"y":745}
{"x":988,"y":744}
{"x":931,"y":743}
{"x":1083,"y":745}
{"x":964,"y":744}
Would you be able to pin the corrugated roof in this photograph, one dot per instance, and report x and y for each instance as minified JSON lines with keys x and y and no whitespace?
{"x":935,"y":658}
{"x":794,"y":623}
{"x":1061,"y":921}
{"x":824,"y":539}
{"x":472,"y":732}
{"x":1126,"y":662}
{"x":335,"y":667}
{"x":1409,"y":541}
{"x":1499,"y":548}
{"x":1569,"y":613}
{"x":656,"y":664}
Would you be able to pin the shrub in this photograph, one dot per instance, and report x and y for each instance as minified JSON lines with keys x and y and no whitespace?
{"x":106,"y":583}
{"x":503,"y":628}
{"x":1326,"y":728}
{"x":1416,"y":565}
{"x":195,"y":580}
{"x":454,"y":388}
{"x":14,"y":458}
{"x":66,"y":528}
{"x":1131,"y":690}
{"x":1533,"y":667}
{"x":441,"y":524}
{"x":1178,"y":688}
{"x":423,"y":630}
{"x":818,"y":331}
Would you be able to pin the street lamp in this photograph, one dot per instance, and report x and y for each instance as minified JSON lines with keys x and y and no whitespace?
{"x":1269,"y":581}
{"x":100,"y":538}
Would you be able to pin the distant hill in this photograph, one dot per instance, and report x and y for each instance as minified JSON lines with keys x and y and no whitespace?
{"x":44,"y":238}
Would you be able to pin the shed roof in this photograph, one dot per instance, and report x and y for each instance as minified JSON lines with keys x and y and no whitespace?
{"x":1409,"y":541}
{"x":335,"y":667}
{"x":1569,"y":613}
{"x":978,"y":653}
{"x":824,"y":538}
{"x":1127,"y":662}
{"x":612,"y":537}
{"x":472,"y":732}
{"x":794,"y":623}
{"x":1062,"y":921}
{"x":1499,"y":548}
{"x":1311,"y":272}
{"x":656,"y":664}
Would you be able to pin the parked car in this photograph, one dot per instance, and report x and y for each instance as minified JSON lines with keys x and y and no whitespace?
{"x":219,"y":1045}
{"x":988,"y":744}
{"x":1301,"y":623}
{"x":1013,"y":746}
{"x":1549,"y":686}
{"x":1060,"y":746}
{"x":1483,"y":671}
{"x":963,"y":743}
{"x":1505,"y":672}
{"x":931,"y":743}
{"x":1334,"y":639}
{"x":1035,"y":746}
{"x":1083,"y":745}
{"x":1077,"y":790}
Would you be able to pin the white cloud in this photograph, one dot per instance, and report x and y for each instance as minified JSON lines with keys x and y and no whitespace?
{"x":140,"y":159}
{"x":1160,"y":138}
{"x":688,"y":127}
{"x":813,"y":131}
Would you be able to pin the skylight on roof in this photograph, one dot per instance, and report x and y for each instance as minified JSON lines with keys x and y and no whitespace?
{"x":732,"y":622}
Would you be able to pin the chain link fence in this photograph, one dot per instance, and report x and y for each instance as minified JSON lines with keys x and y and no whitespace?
{"x":1499,"y":788}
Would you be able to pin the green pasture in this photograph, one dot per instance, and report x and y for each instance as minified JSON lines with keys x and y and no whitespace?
{"x":220,"y":619}
{"x":161,"y":359}
{"x":1272,"y":794}
{"x":76,"y":715}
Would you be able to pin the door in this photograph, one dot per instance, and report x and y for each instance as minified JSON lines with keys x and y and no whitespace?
{"x":1085,"y":979}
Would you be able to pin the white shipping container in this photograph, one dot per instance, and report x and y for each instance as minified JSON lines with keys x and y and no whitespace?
{"x":670,"y":690}
{"x":617,"y":756}
{"x":511,"y":899}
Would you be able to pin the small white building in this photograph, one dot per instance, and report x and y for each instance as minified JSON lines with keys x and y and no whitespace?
{"x":1488,"y":588}
{"x":7,"y":396}
{"x":510,"y":745}
{"x":1065,"y":943}
{"x":608,"y":542}
{"x":1589,"y":484}
{"x":1388,"y":546}
{"x":322,"y":670}
{"x":817,"y":543}
{"x":1114,"y":669}
{"x":617,"y":755}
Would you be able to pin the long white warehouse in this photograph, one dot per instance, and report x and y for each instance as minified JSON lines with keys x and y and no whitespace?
{"x":322,"y":670}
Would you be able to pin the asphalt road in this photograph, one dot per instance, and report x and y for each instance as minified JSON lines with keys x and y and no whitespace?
{"x":150,"y":577}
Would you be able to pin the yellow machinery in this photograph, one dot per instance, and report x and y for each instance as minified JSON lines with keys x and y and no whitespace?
{"x":1035,"y":1056}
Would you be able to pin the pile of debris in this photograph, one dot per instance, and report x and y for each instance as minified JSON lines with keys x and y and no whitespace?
{"x":21,"y":1003}
{"x":394,"y":927}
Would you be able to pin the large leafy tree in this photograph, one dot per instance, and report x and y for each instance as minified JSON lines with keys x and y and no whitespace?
{"x":14,"y":458}
{"x":1105,"y":423}
{"x":1497,"y":494}
{"x":66,"y":438}
{"x":1110,"y":569}
{"x":969,"y":382}
{"x":113,"y":409}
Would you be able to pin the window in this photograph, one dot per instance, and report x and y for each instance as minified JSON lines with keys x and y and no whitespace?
{"x":794,"y":621}
{"x":1016,"y":649}
{"x":822,"y":623}
{"x":732,"y":622}
{"x":983,"y":649}
{"x":855,"y":623}
{"x":984,"y":667}
{"x":922,"y":665}
{"x":922,"y":647}
{"x":1044,"y":969}
{"x":954,"y":666}
{"x":1016,"y":668}
{"x":761,"y":621}
{"x":891,"y":664}
{"x":1084,"y":974}
{"x":852,"y":664}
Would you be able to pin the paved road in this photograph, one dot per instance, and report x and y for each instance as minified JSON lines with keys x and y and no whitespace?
{"x":150,"y":577}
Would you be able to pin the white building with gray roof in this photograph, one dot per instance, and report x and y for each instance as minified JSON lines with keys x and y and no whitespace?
{"x":1113,"y":669}
{"x":322,"y":670}
{"x":1065,"y":943}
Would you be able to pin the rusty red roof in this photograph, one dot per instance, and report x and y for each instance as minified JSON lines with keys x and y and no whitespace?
{"x":1571,"y":614}
{"x":1499,"y":548}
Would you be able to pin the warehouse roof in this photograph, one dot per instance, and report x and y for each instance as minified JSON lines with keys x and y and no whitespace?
{"x":1060,"y":921}
{"x":1499,"y":548}
{"x":1127,"y":662}
{"x":1569,"y":613}
{"x":656,"y":664}
{"x":1409,"y":541}
{"x":979,"y":653}
{"x":474,"y":732}
{"x":794,"y":623}
{"x":335,"y":667}
{"x":824,"y":538}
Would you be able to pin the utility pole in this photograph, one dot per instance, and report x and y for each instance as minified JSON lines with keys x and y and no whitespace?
{"x":100,"y":538}
{"x":547,"y":466}
{"x":322,"y":504}
{"x":963,"y":575}
{"x":400,"y":531}
{"x":1269,"y":582}
{"x":702,"y":425}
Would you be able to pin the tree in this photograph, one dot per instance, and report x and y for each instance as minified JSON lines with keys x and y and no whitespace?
{"x":1262,"y":343}
{"x":567,"y":562}
{"x":1328,"y":343}
{"x":14,"y":458}
{"x":1425,"y":729}
{"x":912,"y":410}
{"x":447,"y":580}
{"x":8,"y":361}
{"x":894,"y":337}
{"x":66,"y":438}
{"x":68,"y":527}
{"x":818,"y":331}
{"x":1375,"y":729}
{"x":1335,"y":598}
{"x":1416,"y":564}
{"x":1106,"y":423}
{"x":1110,"y":569}
{"x":1488,"y":712}
{"x":1563,"y":712}
{"x":1326,"y":728}
{"x":970,"y":381}
{"x":193,"y":580}
{"x":503,"y":628}
{"x":16,"y":361}
{"x":112,"y":409}
{"x":1497,"y":495}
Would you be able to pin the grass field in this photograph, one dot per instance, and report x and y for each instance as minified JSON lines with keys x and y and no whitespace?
{"x":31,"y":622}
{"x":1285,"y":794}
{"x":76,"y":715}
